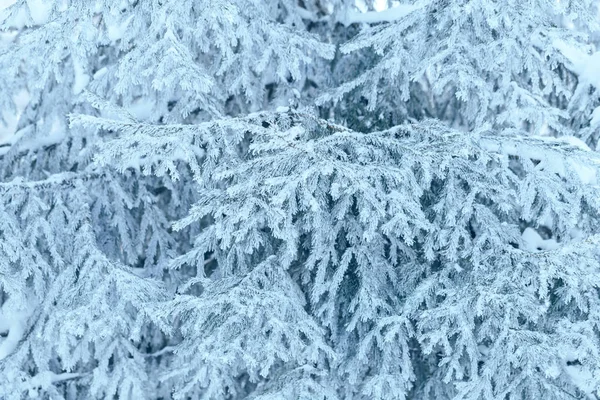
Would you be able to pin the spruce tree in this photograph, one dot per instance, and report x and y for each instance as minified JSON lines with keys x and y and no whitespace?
{"x":306,"y":199}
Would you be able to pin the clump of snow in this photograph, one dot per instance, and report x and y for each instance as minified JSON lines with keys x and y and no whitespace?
{"x":100,"y":73}
{"x":533,"y":242}
{"x":553,"y":371}
{"x":11,"y":120}
{"x":7,"y":37}
{"x":586,"y":173}
{"x":55,"y":134}
{"x":141,"y":109}
{"x":574,"y":141}
{"x":81,"y":78}
{"x":582,"y":377}
{"x":380,"y":5}
{"x":6,"y":3}
{"x":116,"y":32}
{"x":383,"y":15}
{"x":39,"y":10}
{"x":586,"y":66}
{"x":589,"y":70}
{"x":13,"y":322}
{"x":18,"y":20}
{"x":595,"y":120}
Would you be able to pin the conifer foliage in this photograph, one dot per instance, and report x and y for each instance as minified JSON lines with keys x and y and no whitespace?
{"x":299,"y":199}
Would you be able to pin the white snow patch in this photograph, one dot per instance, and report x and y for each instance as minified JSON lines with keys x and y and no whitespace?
{"x":589,"y":70}
{"x":385,"y":15}
{"x":553,"y":371}
{"x":6,"y":3}
{"x":9,"y":127}
{"x":595,"y":120}
{"x":581,"y":377}
{"x":586,"y":66}
{"x":55,"y":135}
{"x":7,"y":37}
{"x":116,"y":32}
{"x":380,"y":5}
{"x":141,"y":109}
{"x":584,"y":379}
{"x":544,"y":130}
{"x":361,"y":5}
{"x":39,"y":10}
{"x":586,"y":173}
{"x":19,"y":20}
{"x":81,"y":78}
{"x":574,"y":141}
{"x":13,"y":321}
{"x":100,"y":73}
{"x":533,"y":242}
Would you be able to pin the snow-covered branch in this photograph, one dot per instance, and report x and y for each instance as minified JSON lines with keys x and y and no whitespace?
{"x":62,"y":178}
{"x":585,"y":66}
{"x":373,"y":17}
